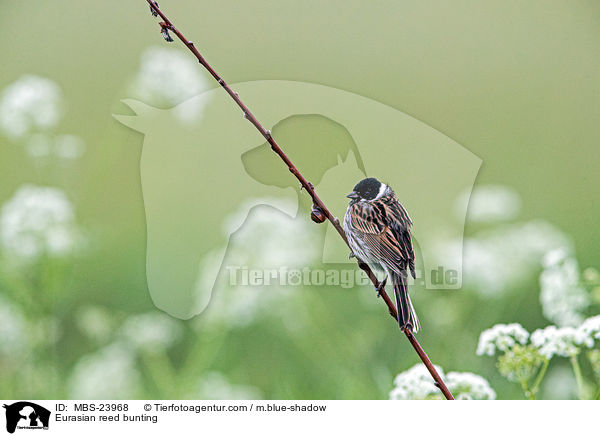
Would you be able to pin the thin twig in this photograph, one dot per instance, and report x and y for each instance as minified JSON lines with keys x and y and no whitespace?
{"x":166,"y":26}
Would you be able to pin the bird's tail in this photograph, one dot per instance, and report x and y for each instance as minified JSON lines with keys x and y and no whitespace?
{"x":407,"y":317}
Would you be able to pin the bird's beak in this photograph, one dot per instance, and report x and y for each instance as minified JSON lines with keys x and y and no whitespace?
{"x":353,"y":195}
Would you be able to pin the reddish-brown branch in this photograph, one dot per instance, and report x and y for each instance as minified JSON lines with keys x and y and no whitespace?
{"x":318,"y":205}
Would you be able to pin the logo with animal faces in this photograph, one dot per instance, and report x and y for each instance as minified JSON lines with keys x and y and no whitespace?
{"x":202,"y":179}
{"x":26,"y":415}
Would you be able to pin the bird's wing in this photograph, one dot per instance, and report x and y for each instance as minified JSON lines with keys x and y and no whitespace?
{"x":400,"y":224}
{"x":378,"y":234}
{"x":367,"y":218}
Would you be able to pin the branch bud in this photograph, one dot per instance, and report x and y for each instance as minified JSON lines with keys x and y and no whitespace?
{"x":153,"y":9}
{"x":164,"y":29}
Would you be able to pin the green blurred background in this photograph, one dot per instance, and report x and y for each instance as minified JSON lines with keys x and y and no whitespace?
{"x":515,"y":83}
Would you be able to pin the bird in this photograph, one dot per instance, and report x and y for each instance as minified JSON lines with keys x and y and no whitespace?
{"x":377,"y":228}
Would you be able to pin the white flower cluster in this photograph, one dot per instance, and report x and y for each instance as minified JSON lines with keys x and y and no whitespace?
{"x":501,"y":337}
{"x":36,"y":221}
{"x":498,"y":259}
{"x":30,"y":103}
{"x":589,"y":331}
{"x":265,"y":238}
{"x":109,"y":373}
{"x":562,"y":296}
{"x":67,"y":147}
{"x":29,"y":108}
{"x":490,"y":203}
{"x":151,"y":331}
{"x":13,"y":329}
{"x":552,"y":341}
{"x":469,"y":386}
{"x":416,"y":384}
{"x":168,"y":76}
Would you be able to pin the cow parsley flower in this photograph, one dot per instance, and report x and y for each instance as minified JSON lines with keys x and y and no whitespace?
{"x":266,"y":237}
{"x":65,"y":147}
{"x":108,"y":373}
{"x":490,"y":203}
{"x":13,"y":329}
{"x":268,"y":241}
{"x":169,"y":77}
{"x":552,"y":341}
{"x":469,"y":386}
{"x":30,"y":103}
{"x":151,"y":331}
{"x":36,"y":221}
{"x":501,"y":337}
{"x":562,"y":296}
{"x":520,"y":363}
{"x":589,"y":331}
{"x":496,"y":260}
{"x":416,"y":384}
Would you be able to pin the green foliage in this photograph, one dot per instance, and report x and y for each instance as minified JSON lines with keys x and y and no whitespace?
{"x":520,"y":363}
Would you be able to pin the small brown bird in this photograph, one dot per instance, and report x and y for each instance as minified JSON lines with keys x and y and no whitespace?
{"x":378,"y":230}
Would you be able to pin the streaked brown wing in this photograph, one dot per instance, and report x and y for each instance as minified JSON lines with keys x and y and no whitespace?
{"x":400,"y":224}
{"x":368,"y":219}
{"x":378,"y":235}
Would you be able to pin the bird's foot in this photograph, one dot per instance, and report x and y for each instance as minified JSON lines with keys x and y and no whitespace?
{"x":380,"y":287}
{"x":351,"y":255}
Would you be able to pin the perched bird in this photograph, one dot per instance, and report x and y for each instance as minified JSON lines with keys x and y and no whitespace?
{"x":378,"y":230}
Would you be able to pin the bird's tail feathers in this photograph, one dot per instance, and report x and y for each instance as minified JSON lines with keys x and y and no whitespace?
{"x":407,"y":317}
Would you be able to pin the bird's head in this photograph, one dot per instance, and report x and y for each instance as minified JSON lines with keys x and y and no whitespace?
{"x":367,"y":190}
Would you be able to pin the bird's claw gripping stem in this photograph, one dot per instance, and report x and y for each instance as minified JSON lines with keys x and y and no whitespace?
{"x":380,"y":287}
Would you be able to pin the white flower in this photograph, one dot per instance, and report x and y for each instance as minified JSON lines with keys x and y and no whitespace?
{"x":415,"y":384}
{"x":562,"y":297}
{"x":268,"y":238}
{"x":66,"y":147}
{"x":555,"y":257}
{"x":168,"y":76}
{"x":501,"y":258}
{"x":265,"y":240}
{"x":589,"y":331}
{"x":110,"y":373}
{"x":151,"y":331}
{"x":38,"y":220}
{"x":552,"y":341}
{"x":490,"y":203}
{"x":469,"y":386}
{"x":501,"y":337}
{"x":13,"y":329}
{"x":30,"y":103}
{"x":214,"y":386}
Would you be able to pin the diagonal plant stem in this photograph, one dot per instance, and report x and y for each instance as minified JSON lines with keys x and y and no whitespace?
{"x":578,"y":376}
{"x":319,"y":207}
{"x":540,"y":376}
